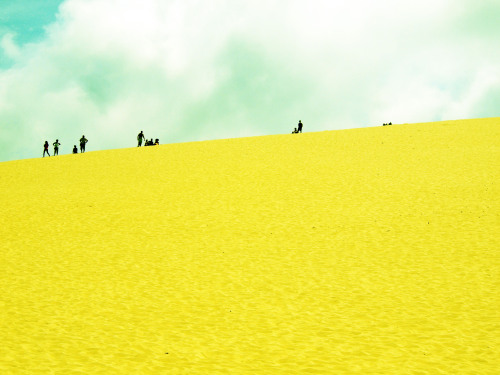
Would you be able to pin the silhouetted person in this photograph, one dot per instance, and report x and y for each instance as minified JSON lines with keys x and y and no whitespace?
{"x":299,"y":129}
{"x":157,"y":142}
{"x":83,"y":141}
{"x":75,"y":150}
{"x":140,"y":138}
{"x":46,"y":148}
{"x":294,"y":131}
{"x":56,"y":147}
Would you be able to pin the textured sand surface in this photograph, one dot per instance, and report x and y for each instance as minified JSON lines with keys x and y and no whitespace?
{"x":363,"y":251}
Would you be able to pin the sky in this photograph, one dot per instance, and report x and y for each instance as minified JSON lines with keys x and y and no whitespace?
{"x":191,"y":70}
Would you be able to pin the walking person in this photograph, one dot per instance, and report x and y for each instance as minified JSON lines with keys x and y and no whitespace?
{"x":299,"y":129}
{"x":83,"y":141}
{"x":46,"y":149}
{"x":140,"y":138}
{"x":56,"y":147}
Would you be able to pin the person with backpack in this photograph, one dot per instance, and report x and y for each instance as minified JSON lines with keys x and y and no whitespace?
{"x":46,"y":149}
{"x":83,"y":141}
{"x":56,"y":147}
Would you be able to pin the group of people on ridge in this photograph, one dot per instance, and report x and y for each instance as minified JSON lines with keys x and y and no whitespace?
{"x":141,"y":137}
{"x":56,"y":145}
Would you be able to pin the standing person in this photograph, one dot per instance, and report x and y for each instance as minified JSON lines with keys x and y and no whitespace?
{"x":299,"y":129}
{"x":46,"y":149}
{"x":75,"y":150}
{"x":56,"y":147}
{"x":140,"y":138}
{"x":83,"y":141}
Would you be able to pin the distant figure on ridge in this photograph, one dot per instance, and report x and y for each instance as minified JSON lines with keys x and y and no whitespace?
{"x":140,"y":138}
{"x":157,"y":142}
{"x":295,"y":131}
{"x":83,"y":141}
{"x":75,"y":150}
{"x":46,"y":149}
{"x":56,"y":147}
{"x":299,"y":129}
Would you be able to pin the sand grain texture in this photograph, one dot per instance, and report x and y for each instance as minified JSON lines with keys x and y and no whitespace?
{"x":363,"y":251}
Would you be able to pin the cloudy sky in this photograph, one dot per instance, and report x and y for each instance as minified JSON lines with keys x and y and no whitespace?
{"x":188,"y":70}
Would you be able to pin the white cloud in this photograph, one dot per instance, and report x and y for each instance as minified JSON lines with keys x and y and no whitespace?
{"x":9,"y":46}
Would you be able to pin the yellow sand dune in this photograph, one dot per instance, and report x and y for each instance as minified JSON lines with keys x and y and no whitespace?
{"x":362,"y":251}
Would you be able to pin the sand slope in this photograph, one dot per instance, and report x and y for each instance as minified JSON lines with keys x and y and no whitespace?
{"x":363,"y":251}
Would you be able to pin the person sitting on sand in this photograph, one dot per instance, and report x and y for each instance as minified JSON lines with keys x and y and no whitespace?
{"x":75,"y":150}
{"x":294,"y":131}
{"x":56,"y":147}
{"x":157,"y":142}
{"x":46,"y":149}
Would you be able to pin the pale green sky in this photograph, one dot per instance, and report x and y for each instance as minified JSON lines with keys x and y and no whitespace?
{"x":190,"y":70}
